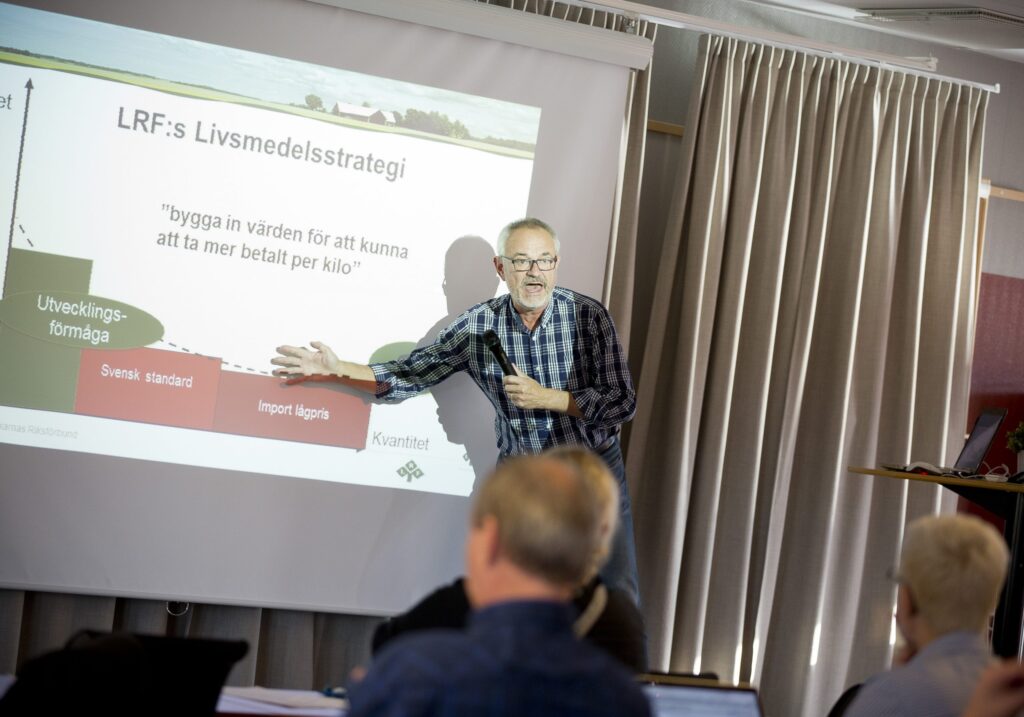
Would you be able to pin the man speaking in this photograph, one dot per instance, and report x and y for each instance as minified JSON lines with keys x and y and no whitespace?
{"x":565,"y":381}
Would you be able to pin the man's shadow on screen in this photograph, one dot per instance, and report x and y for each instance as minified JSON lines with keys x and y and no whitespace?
{"x":463,"y":411}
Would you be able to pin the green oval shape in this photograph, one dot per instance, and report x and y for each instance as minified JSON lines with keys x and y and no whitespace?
{"x":79,"y":320}
{"x":390,"y":352}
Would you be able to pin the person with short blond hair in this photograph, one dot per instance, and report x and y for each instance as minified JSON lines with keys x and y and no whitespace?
{"x":953,"y":567}
{"x":951,"y":571}
{"x":535,"y":526}
{"x":548,"y":520}
{"x":605,"y":489}
{"x":604,"y":616}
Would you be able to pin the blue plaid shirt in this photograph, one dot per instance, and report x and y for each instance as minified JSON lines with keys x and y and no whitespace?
{"x":514,"y":659}
{"x":573,"y":347}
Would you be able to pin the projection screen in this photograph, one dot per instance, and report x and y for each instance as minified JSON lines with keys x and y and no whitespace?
{"x":190,"y":185}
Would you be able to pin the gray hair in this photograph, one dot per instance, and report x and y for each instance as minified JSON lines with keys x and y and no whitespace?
{"x":605,"y":489}
{"x":549,"y":520}
{"x":954,"y":567}
{"x":527,"y":223}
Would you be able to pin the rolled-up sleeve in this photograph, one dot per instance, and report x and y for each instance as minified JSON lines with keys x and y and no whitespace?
{"x":608,"y":400}
{"x":425,"y":367}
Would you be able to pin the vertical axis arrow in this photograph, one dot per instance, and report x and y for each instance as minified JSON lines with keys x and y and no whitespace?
{"x":17,"y":181}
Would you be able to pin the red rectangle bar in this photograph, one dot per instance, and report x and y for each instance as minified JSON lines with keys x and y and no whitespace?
{"x":148,"y":385}
{"x":264,"y":406}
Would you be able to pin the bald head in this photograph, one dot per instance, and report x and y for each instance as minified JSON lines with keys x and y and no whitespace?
{"x":602,"y":484}
{"x":549,"y":520}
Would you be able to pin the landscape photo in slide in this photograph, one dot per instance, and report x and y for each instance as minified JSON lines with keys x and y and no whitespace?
{"x":177,"y":210}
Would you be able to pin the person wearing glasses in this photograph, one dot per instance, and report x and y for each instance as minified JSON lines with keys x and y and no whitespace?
{"x":571,"y":384}
{"x":951,"y":572}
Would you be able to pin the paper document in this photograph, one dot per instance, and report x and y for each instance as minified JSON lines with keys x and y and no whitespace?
{"x":248,"y":700}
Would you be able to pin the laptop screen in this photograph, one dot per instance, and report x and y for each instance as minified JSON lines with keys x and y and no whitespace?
{"x":978,"y":443}
{"x":669,"y":700}
{"x":121,"y":673}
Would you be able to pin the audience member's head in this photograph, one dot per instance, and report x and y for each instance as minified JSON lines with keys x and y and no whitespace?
{"x":605,"y":489}
{"x":605,"y":617}
{"x":951,"y":571}
{"x":536,"y":525}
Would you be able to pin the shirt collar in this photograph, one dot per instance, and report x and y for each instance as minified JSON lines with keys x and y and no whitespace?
{"x":545,"y":615}
{"x":953,"y":642}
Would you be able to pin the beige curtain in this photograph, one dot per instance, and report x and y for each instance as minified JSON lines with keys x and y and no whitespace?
{"x":619,"y":278}
{"x":814,"y":309}
{"x":294,"y":649}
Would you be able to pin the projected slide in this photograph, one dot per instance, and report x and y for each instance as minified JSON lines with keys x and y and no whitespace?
{"x":176,"y":210}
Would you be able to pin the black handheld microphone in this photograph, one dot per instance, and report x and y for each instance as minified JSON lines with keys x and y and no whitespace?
{"x":494,"y":344}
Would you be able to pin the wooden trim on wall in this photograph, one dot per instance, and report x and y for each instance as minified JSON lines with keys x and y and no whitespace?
{"x":1003,"y":193}
{"x":665,"y":127}
{"x":982,"y":225}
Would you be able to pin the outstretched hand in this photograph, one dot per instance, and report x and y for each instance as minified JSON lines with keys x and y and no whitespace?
{"x":298,"y":361}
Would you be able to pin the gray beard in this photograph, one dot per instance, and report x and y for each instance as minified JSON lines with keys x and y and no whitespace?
{"x":533,"y":303}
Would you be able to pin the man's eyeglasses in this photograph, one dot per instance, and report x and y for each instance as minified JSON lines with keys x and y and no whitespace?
{"x":522,"y":264}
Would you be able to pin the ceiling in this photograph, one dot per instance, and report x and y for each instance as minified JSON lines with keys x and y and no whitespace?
{"x":993,"y":27}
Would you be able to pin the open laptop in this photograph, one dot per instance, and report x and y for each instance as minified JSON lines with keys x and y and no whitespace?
{"x":676,"y":696}
{"x":122,"y":673}
{"x":974,"y":451}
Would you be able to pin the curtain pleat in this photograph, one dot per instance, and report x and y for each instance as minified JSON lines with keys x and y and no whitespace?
{"x":621,"y":270}
{"x":48,"y":619}
{"x":814,"y":309}
{"x":287,"y":648}
{"x":12,"y":604}
{"x":141,"y":616}
{"x":287,"y":653}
